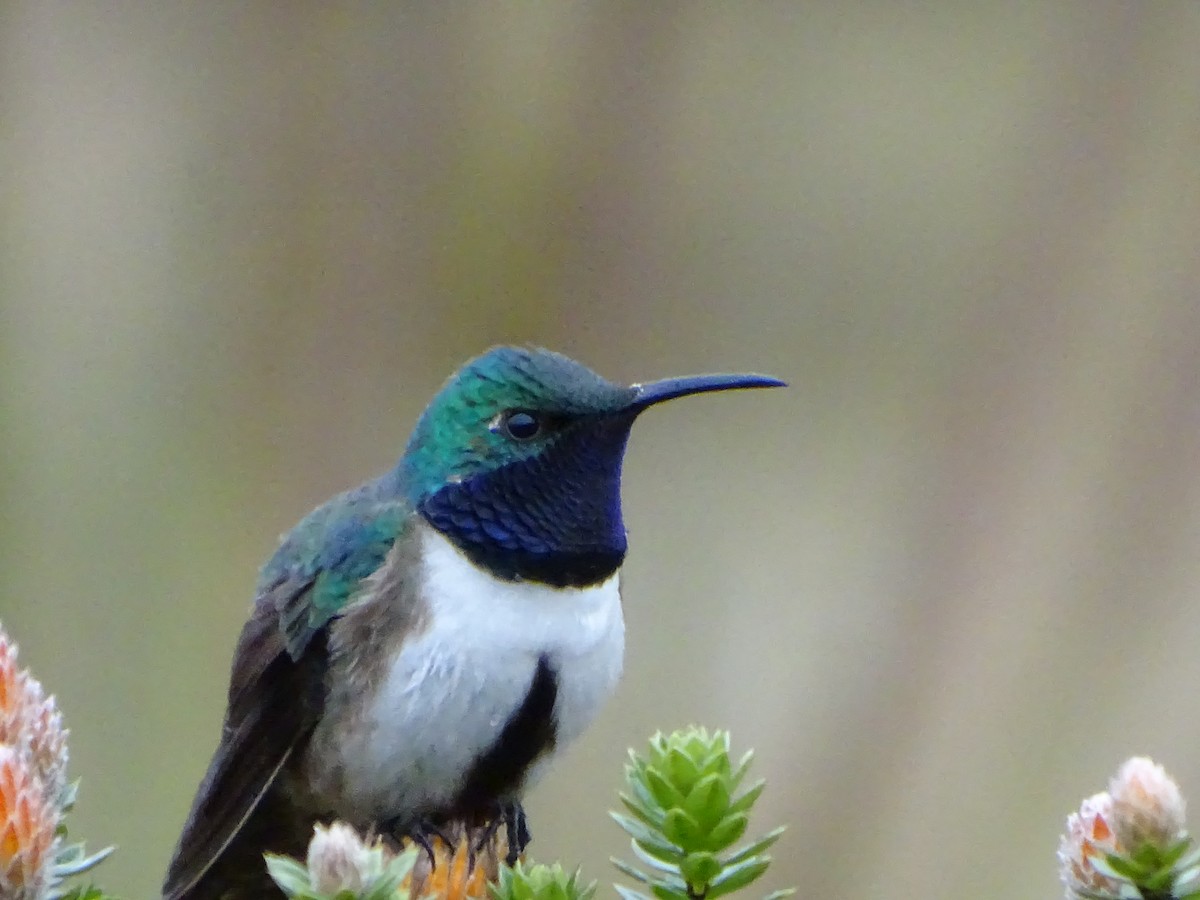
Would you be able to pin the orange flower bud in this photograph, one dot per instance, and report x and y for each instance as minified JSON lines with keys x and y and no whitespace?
{"x":28,"y":819}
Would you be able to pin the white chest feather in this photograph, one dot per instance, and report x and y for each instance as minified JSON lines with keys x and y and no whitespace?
{"x":448,"y":694}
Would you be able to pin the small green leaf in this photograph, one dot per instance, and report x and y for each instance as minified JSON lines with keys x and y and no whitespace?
{"x":757,"y":847}
{"x":1148,"y":856}
{"x":70,"y":792}
{"x":1176,"y":851}
{"x":665,"y":792}
{"x":707,"y":802}
{"x":1102,"y":866}
{"x":636,"y":767}
{"x":642,"y":793}
{"x":1190,"y":858}
{"x":652,"y":815}
{"x":67,"y":853}
{"x":1158,"y":881}
{"x":682,"y":830}
{"x":734,"y":878}
{"x":669,"y":866}
{"x":72,"y":861}
{"x":716,"y":762}
{"x":651,"y":841}
{"x":662,"y":892}
{"x":699,"y":870}
{"x":748,"y":799}
{"x":1122,"y":866}
{"x":780,"y":894}
{"x":627,"y":869}
{"x":290,"y":875}
{"x":382,"y":888}
{"x":740,"y":770}
{"x":670,"y":880}
{"x":1185,"y":878}
{"x":682,"y":771}
{"x":728,"y":831}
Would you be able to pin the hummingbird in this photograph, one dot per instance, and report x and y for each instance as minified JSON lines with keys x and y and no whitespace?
{"x":422,"y":645}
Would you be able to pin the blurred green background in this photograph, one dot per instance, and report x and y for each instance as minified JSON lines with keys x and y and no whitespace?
{"x":944,"y":583}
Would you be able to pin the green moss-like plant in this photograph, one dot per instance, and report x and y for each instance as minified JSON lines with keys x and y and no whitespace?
{"x":685,"y":817}
{"x":540,"y":882}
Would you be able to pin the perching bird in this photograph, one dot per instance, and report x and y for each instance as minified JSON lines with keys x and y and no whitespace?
{"x":422,"y":645}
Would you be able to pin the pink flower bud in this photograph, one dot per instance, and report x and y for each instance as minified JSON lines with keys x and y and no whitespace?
{"x":1089,"y":837}
{"x":1147,"y":807}
{"x":339,"y":860}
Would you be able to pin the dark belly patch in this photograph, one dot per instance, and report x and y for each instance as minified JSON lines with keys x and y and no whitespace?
{"x":529,"y":733}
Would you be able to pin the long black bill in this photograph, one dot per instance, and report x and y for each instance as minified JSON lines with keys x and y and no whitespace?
{"x":670,"y":388}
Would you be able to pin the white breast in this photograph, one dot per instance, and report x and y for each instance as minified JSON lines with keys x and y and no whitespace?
{"x":452,"y":688}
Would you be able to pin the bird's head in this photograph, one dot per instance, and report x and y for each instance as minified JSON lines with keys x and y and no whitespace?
{"x":517,"y":460}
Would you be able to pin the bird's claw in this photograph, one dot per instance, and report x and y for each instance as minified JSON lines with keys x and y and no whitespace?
{"x":422,"y":833}
{"x":516,"y":831}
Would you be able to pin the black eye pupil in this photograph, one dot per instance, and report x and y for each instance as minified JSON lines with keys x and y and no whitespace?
{"x":522,"y":425}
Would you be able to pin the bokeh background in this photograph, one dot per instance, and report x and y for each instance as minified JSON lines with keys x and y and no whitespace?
{"x":944,"y":583}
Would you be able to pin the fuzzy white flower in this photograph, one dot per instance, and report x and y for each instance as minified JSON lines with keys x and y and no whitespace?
{"x":1089,"y":836}
{"x":1147,"y":807}
{"x":339,"y":860}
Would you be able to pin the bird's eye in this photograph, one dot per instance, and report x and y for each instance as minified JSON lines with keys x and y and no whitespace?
{"x":521,"y":425}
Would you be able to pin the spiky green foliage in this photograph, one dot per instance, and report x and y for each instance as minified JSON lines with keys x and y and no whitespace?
{"x":91,"y":892}
{"x":686,"y":815}
{"x":1153,"y":871}
{"x":540,"y":882}
{"x":72,"y":859}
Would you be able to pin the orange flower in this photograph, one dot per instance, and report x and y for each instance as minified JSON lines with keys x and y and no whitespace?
{"x":462,"y":870}
{"x":34,"y":795}
{"x":31,"y":723}
{"x":33,"y":765}
{"x":13,"y":691}
{"x":28,"y":820}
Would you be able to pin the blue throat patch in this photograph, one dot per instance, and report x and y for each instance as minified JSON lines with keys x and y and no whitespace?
{"x":553,"y":518}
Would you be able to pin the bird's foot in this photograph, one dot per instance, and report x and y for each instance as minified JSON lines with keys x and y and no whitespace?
{"x":516,"y":831}
{"x":423,"y":833}
{"x":477,"y":831}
